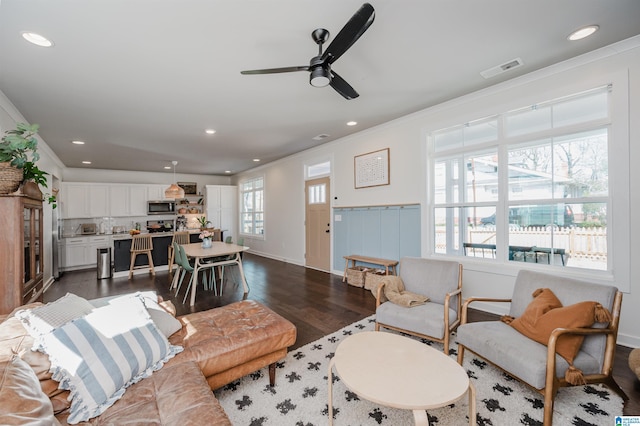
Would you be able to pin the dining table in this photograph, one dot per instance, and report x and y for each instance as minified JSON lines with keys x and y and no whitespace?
{"x":219,"y":254}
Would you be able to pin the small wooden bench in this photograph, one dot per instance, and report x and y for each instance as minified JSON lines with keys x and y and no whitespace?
{"x":388,"y":264}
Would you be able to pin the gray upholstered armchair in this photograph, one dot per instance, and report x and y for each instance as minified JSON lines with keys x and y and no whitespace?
{"x":441,"y":282}
{"x":533,"y":363}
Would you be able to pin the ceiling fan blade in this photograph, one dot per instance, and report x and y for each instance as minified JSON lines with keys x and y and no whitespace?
{"x":350,"y":33}
{"x":342,"y":87}
{"x":276,"y":70}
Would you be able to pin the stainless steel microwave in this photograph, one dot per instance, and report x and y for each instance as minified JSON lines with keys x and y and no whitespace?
{"x":161,"y":207}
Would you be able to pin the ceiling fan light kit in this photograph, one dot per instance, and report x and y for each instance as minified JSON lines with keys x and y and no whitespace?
{"x":320,"y":77}
{"x":321,"y":74}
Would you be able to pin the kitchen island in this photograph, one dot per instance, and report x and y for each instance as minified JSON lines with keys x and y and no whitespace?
{"x":160,"y":253}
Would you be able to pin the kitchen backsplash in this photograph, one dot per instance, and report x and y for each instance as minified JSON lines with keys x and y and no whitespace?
{"x":72,"y":227}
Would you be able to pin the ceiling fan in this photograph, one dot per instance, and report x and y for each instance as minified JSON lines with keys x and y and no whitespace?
{"x":320,"y":66}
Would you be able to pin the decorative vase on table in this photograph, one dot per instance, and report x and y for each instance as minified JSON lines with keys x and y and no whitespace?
{"x":206,"y":238}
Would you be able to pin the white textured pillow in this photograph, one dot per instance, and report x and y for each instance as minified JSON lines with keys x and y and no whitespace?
{"x":165,"y":322}
{"x":98,"y":356}
{"x":43,"y":319}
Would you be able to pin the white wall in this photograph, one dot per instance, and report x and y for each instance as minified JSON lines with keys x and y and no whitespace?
{"x":284,"y":195}
{"x":48,"y":162}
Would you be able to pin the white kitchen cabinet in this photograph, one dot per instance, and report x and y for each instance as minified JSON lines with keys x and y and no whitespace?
{"x":74,"y":202}
{"x":75,"y":252}
{"x":119,"y":200}
{"x":81,"y":252}
{"x":138,"y":200}
{"x":222,"y":208}
{"x":84,"y":200}
{"x":156,"y":192}
{"x":94,"y":243}
{"x":127,"y":200}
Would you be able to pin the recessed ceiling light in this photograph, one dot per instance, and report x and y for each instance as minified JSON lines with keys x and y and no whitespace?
{"x":86,"y":162}
{"x":210,"y":131}
{"x":351,"y":123}
{"x":77,"y":142}
{"x":583,"y":32}
{"x":167,"y":167}
{"x":37,"y":39}
{"x":256,"y":160}
{"x":227,"y":171}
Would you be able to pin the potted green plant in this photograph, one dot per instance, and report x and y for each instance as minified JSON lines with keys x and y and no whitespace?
{"x":18,"y":156}
{"x":15,"y":149}
{"x":203,"y":222}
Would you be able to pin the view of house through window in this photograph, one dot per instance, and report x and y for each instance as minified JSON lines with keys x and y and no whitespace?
{"x":530,"y":185}
{"x":252,"y":207}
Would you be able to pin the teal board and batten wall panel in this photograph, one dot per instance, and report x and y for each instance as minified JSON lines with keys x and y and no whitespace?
{"x":388,"y":232}
{"x":389,"y":227}
{"x":370,"y":232}
{"x":410,"y":232}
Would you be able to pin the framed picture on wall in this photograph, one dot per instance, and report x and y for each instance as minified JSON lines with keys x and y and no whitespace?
{"x":371,"y":169}
{"x":190,"y":188}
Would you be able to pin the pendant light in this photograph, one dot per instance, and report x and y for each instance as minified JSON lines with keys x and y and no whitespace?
{"x":174,"y":191}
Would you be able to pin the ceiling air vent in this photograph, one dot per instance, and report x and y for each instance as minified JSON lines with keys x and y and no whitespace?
{"x":320,"y":137}
{"x":509,"y":65}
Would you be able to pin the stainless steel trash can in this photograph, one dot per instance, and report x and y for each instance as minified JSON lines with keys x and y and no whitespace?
{"x":104,"y":263}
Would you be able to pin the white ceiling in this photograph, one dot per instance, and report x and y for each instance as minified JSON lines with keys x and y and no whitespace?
{"x":140,"y":80}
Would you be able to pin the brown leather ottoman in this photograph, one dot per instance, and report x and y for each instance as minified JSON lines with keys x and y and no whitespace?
{"x":234,"y":340}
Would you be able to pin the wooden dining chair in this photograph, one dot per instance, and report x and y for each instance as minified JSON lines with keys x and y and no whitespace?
{"x":141,"y":244}
{"x":181,"y":237}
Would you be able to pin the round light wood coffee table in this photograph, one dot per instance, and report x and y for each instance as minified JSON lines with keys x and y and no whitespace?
{"x":399,"y":372}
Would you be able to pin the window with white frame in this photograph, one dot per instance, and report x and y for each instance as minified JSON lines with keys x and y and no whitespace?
{"x":317,"y":194}
{"x":529,"y":185}
{"x":252,"y":207}
{"x":318,"y":170}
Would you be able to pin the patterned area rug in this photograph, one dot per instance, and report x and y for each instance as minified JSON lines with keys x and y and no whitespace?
{"x":300,"y":395}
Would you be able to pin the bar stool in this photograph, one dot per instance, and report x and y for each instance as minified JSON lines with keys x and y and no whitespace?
{"x":141,"y":244}
{"x":180,"y":238}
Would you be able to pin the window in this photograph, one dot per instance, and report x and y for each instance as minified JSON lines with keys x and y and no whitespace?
{"x":252,"y":207}
{"x":528,"y":185}
{"x":318,"y":170}
{"x":317,"y":194}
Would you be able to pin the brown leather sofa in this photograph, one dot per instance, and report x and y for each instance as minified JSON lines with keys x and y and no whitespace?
{"x":220,"y":345}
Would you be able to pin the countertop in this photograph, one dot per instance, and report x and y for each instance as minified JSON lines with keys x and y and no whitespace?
{"x":126,"y":235}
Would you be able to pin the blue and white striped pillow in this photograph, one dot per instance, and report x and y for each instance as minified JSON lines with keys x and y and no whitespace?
{"x":98,"y":356}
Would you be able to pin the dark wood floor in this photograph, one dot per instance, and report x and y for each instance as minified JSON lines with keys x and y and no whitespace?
{"x":316,"y":302}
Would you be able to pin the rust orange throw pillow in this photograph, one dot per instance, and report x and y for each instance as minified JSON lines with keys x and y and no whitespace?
{"x":543,"y":301}
{"x":545,"y":313}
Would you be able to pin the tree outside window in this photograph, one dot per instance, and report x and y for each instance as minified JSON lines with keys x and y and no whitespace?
{"x":527,"y":186}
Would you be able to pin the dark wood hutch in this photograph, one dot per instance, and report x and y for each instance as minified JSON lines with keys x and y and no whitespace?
{"x":21,"y":244}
